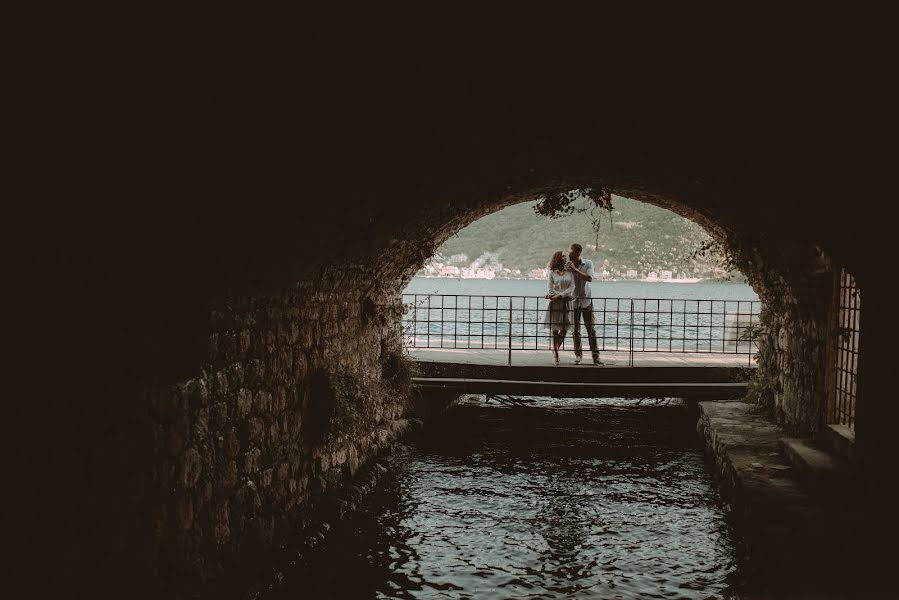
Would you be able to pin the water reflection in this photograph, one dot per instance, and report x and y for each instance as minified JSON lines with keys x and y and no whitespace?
{"x":494,"y":514}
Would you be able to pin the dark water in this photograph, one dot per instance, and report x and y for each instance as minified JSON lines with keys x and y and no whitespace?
{"x":572,"y":499}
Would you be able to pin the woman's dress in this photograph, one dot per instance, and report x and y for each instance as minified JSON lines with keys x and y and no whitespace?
{"x":558,"y":315}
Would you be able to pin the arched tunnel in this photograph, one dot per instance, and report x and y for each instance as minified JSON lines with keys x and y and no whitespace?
{"x":218,"y":303}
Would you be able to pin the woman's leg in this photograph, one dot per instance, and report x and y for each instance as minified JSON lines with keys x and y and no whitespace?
{"x":557,"y":343}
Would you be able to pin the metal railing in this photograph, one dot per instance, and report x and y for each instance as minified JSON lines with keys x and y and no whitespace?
{"x":462,"y":321}
{"x":846,"y":321}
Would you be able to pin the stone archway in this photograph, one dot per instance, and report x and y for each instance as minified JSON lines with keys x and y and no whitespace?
{"x":249,"y":220}
{"x":792,"y":281}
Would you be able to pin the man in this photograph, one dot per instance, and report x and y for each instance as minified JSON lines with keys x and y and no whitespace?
{"x":582,"y":305}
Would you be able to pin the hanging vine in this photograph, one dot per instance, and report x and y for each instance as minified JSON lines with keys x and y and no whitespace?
{"x":558,"y":203}
{"x":712,"y":251}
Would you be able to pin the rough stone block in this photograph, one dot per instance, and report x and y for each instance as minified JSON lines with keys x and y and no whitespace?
{"x":265,"y":480}
{"x":190,"y":468}
{"x":279,"y":400}
{"x":243,"y":342}
{"x":231,"y":444}
{"x":236,"y":374}
{"x":300,"y":365}
{"x":212,"y":343}
{"x":339,"y":457}
{"x":251,"y":460}
{"x":274,"y":434}
{"x":255,"y":427}
{"x":229,"y":476}
{"x":200,"y":424}
{"x":262,"y":401}
{"x":204,"y":494}
{"x":222,"y":388}
{"x":221,"y":530}
{"x":228,"y":346}
{"x":353,"y":459}
{"x":244,"y":402}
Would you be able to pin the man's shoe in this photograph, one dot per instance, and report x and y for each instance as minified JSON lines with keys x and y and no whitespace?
{"x":577,"y":360}
{"x":598,"y":362}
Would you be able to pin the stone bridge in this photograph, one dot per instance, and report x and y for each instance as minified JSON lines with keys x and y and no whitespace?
{"x":694,"y":383}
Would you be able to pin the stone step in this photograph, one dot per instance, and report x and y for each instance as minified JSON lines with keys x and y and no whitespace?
{"x":839,"y":440}
{"x":818,"y":471}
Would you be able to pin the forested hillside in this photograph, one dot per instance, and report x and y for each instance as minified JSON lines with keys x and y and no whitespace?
{"x":635,"y":237}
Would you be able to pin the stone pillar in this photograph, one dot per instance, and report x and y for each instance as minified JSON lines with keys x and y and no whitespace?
{"x":793,"y":353}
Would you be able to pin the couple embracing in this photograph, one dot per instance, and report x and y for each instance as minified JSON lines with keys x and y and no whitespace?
{"x":569,"y":301}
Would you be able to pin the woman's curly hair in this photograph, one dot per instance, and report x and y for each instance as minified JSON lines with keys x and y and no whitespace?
{"x":557,"y":262}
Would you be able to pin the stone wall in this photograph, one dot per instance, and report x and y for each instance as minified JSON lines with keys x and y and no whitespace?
{"x":296,"y":391}
{"x":793,"y":353}
{"x":797,"y":370}
{"x":174,"y":488}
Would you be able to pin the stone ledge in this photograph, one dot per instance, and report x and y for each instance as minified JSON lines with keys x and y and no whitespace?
{"x":838,"y":439}
{"x":818,"y":471}
{"x":801,"y":546}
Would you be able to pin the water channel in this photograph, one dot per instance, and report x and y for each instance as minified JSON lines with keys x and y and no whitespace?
{"x":556,"y":499}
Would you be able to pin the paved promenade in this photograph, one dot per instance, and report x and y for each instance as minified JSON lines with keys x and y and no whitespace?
{"x":543,"y":358}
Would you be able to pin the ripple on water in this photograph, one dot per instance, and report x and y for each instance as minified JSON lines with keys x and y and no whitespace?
{"x":499,"y":524}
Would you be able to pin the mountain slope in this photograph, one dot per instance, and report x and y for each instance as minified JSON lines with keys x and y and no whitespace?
{"x":638,"y":237}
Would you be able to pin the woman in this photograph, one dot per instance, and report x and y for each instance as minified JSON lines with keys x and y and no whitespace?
{"x":558,"y":316}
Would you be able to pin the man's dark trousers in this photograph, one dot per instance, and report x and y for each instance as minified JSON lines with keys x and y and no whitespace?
{"x":590,"y":323}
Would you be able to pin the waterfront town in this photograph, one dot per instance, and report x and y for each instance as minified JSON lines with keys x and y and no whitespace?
{"x":489,"y":266}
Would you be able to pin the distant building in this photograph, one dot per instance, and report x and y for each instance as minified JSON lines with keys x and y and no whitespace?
{"x":631,"y":274}
{"x":537,"y":274}
{"x":458,"y":258}
{"x":449,"y":271}
{"x":478,"y":273}
{"x":485,"y":259}
{"x":665,"y":275}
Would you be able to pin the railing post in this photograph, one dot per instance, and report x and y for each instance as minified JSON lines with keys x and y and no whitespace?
{"x":510,"y":331}
{"x":753,"y":342}
{"x":630,"y":360}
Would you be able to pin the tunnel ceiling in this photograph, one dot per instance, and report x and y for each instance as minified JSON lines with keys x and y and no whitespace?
{"x":262,"y":144}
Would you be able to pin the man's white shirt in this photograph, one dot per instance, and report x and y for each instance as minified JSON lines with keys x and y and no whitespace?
{"x":581,"y":285}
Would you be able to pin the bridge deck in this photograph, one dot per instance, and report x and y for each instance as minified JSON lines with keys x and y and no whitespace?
{"x":669,"y":378}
